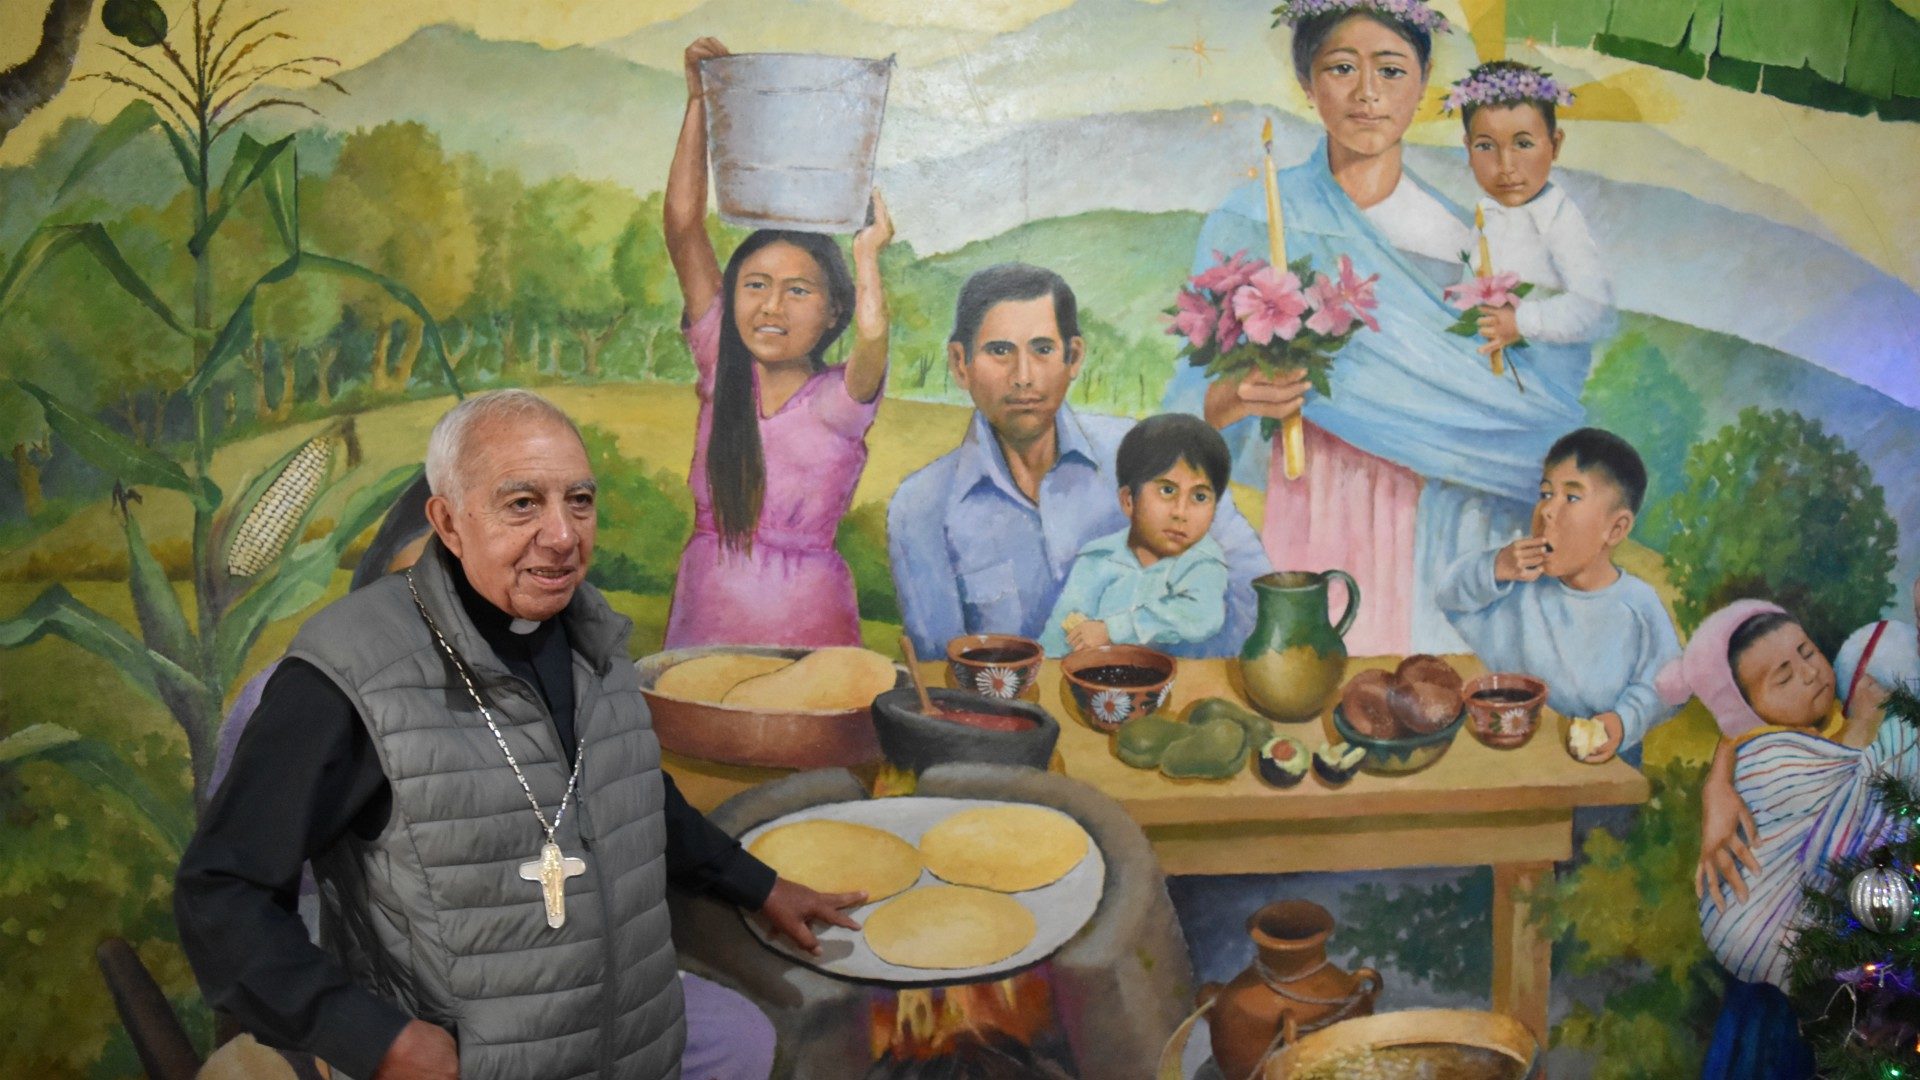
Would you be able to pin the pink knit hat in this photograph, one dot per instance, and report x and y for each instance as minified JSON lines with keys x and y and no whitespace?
{"x":1701,"y":670}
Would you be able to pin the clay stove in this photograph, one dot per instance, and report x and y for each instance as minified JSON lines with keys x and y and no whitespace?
{"x":1101,"y":1007}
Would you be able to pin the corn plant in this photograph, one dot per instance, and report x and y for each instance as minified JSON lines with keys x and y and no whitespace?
{"x":250,"y":564}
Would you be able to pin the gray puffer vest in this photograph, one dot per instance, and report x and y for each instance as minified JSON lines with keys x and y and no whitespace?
{"x":433,"y":914}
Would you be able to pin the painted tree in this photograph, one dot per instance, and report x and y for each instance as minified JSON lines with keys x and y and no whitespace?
{"x":393,"y":205}
{"x":250,"y":567}
{"x":563,"y":238}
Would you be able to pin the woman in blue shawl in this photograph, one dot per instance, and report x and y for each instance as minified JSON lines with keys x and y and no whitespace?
{"x":1420,"y":454}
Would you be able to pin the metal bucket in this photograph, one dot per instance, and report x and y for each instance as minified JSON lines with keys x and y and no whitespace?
{"x":793,"y":137}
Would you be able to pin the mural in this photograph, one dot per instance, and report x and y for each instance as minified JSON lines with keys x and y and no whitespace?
{"x":1479,"y":400}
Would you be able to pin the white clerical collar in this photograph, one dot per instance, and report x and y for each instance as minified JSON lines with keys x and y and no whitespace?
{"x":523,"y":626}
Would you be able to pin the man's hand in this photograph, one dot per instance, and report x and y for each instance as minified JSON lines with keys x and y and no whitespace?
{"x":1523,"y":560}
{"x":791,"y":906}
{"x":1615,"y":732}
{"x":1724,"y":816}
{"x":1087,"y":635}
{"x":705,"y":48}
{"x":1274,"y":397}
{"x":1500,"y":326}
{"x":421,"y":1051}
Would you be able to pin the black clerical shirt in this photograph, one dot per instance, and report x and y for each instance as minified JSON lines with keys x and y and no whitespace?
{"x":305,"y":774}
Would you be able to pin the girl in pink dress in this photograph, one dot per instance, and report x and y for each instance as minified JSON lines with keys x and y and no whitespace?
{"x":781,"y":439}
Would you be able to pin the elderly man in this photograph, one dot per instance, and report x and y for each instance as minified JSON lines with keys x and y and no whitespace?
{"x":463,"y":753}
{"x":981,"y":540}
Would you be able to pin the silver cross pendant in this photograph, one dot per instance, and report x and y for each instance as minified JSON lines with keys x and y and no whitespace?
{"x":552,"y":870}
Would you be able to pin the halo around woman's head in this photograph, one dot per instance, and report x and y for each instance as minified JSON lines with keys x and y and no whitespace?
{"x":1414,"y":13}
{"x":1506,"y":82}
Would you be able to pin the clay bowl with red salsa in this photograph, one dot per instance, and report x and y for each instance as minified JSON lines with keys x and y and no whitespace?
{"x":969,"y":727}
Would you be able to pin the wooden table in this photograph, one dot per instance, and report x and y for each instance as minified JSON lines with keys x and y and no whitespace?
{"x":1508,"y":809}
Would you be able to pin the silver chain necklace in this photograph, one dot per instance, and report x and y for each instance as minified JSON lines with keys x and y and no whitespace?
{"x":551,"y":869}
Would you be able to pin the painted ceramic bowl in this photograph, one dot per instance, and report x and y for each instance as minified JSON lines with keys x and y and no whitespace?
{"x":1504,"y":709}
{"x":1112,"y":684}
{"x":998,"y":665}
{"x":1398,"y":757}
{"x":973,"y":727}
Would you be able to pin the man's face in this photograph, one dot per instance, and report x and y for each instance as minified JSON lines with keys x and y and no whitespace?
{"x":523,"y":523}
{"x":1020,"y":370}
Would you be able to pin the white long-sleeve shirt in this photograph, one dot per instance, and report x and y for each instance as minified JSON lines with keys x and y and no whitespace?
{"x":1545,"y":240}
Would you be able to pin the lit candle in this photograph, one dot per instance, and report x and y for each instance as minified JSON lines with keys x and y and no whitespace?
{"x":1293,"y":435}
{"x":1486,"y":271}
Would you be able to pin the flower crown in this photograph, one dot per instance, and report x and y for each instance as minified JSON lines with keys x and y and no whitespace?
{"x":1504,"y":82}
{"x":1414,"y":13}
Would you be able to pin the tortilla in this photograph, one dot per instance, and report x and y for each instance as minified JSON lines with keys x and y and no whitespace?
{"x":825,"y":680}
{"x":708,"y":678}
{"x":1004,"y":848}
{"x":839,"y":857}
{"x":949,"y":926}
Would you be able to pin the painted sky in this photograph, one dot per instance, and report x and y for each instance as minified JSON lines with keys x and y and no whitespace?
{"x":1834,"y":171}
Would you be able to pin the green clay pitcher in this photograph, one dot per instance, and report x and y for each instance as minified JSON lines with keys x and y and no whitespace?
{"x":1296,"y":658}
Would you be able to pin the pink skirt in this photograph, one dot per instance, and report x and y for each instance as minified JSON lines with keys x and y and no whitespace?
{"x":1349,"y":511}
{"x":799,"y":596}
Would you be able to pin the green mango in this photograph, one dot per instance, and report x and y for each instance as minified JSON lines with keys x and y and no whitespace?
{"x":1216,"y":750}
{"x":1141,"y":740}
{"x":1258,"y":728}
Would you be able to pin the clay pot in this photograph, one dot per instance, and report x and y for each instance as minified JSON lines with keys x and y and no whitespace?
{"x":917,"y":742}
{"x":1290,"y":989}
{"x":1504,"y":710}
{"x":1296,"y":656}
{"x":997,"y":665}
{"x":1106,"y":705}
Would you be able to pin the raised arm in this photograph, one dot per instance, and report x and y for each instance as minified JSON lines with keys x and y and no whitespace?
{"x":685,"y":216}
{"x":867,"y":364}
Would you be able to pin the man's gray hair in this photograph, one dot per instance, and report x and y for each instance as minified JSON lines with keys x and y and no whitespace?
{"x":447,"y":450}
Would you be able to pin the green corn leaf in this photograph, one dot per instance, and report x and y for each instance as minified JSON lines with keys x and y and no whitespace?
{"x":238,"y":331}
{"x":57,"y":612}
{"x":116,"y":455}
{"x":429,"y":327}
{"x":252,"y":159}
{"x":189,"y":165}
{"x":136,"y":118}
{"x":281,"y":188}
{"x":95,"y":763}
{"x":303,"y":576}
{"x":155,"y":604}
{"x":50,"y":240}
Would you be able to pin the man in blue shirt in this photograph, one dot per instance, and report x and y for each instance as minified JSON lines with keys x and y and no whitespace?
{"x":981,"y":540}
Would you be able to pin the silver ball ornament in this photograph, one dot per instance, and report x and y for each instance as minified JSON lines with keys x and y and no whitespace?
{"x":1882,"y":899}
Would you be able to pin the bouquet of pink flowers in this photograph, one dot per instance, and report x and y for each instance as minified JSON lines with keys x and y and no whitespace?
{"x":1487,"y":291}
{"x":1241,"y":314}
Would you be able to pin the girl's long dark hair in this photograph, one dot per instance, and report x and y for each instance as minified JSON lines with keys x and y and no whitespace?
{"x":736,"y":464}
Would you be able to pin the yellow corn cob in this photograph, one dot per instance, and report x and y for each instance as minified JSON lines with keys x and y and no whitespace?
{"x":270,"y":524}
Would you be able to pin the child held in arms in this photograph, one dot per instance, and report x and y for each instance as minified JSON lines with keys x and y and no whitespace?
{"x":1162,"y":580}
{"x":1531,"y":228}
{"x":1805,"y":769}
{"x":1554,"y":605}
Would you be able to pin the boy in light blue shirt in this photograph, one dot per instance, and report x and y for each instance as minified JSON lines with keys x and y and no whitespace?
{"x":1554,"y":605}
{"x":1161,"y":581}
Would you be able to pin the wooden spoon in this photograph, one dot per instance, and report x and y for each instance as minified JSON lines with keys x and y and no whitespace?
{"x":913,"y":670}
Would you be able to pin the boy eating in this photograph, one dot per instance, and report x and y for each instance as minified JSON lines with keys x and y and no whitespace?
{"x":1162,"y":580}
{"x":1554,"y":605}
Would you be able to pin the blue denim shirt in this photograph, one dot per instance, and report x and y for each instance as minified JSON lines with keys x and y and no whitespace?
{"x":1174,"y":605}
{"x":972,"y":554}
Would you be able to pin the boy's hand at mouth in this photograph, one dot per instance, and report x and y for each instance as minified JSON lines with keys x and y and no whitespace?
{"x":1523,"y":560}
